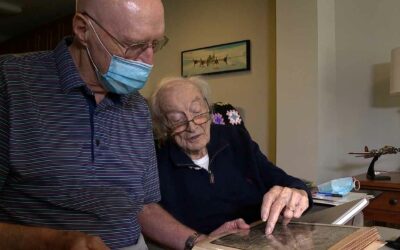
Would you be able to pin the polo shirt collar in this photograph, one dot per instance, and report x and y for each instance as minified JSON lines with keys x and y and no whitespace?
{"x":68,"y":73}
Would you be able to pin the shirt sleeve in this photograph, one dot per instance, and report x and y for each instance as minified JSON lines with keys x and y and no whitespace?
{"x":4,"y":128}
{"x":272,"y":175}
{"x":151,"y":182}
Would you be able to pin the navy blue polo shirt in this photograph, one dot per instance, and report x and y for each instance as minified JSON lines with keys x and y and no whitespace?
{"x":66,"y":162}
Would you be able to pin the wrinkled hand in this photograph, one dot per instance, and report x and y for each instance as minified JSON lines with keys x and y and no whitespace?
{"x":230,"y":226}
{"x":291,"y":202}
{"x":71,"y":240}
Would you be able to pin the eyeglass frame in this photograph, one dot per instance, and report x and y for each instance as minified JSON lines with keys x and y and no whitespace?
{"x":148,"y":44}
{"x":187,"y":122}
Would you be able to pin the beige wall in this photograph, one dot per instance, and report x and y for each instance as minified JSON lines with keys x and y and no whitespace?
{"x":193,"y":24}
{"x":366,"y":32}
{"x":333,"y":76}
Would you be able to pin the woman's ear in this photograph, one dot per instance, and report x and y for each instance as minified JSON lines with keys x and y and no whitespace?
{"x":80,"y":28}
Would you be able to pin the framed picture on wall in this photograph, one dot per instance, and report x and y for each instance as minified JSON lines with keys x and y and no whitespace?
{"x":222,"y":58}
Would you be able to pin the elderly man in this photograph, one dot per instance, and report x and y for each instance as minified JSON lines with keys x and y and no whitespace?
{"x":77,"y":160}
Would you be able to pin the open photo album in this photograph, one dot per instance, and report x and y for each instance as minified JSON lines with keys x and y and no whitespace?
{"x":297,"y":235}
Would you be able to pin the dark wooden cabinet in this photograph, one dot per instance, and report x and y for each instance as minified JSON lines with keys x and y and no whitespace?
{"x":45,"y":37}
{"x":386,"y":206}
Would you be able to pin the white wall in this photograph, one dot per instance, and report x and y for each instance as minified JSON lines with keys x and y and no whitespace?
{"x":194,"y":24}
{"x":335,"y":99}
{"x":327,"y":99}
{"x":297,"y":87}
{"x":366,"y":31}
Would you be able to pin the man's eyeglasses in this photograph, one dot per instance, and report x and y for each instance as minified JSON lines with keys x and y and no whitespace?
{"x":133,"y":50}
{"x":198,"y":120}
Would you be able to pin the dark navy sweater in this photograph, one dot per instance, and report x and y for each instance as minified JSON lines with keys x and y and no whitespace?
{"x":238,"y":177}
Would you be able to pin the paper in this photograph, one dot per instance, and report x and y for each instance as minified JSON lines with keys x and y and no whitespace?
{"x":335,"y":201}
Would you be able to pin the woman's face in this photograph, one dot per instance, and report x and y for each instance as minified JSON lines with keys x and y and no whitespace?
{"x":181,"y":103}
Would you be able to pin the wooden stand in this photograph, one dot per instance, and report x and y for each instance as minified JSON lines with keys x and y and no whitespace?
{"x":371,"y":171}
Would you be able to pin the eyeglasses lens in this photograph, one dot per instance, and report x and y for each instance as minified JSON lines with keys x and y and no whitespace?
{"x":198,"y":120}
{"x":135,"y":50}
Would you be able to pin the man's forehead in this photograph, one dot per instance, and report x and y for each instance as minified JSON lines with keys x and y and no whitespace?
{"x":104,"y":5}
{"x":130,"y":20}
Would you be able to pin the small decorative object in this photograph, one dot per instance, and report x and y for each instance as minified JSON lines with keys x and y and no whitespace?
{"x":216,"y":59}
{"x":226,"y":114}
{"x":234,"y":117}
{"x":375,"y":154}
{"x":218,"y":119}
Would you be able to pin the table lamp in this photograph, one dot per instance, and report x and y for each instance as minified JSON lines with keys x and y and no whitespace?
{"x":395,"y":72}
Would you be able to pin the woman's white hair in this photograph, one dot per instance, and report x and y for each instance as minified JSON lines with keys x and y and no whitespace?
{"x":160,"y":129}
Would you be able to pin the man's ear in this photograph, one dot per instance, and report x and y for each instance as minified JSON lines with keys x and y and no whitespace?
{"x":80,"y":28}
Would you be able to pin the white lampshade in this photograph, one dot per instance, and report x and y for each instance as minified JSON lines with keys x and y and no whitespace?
{"x":395,"y":72}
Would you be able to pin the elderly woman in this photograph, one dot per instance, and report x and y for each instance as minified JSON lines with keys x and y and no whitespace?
{"x":210,"y":174}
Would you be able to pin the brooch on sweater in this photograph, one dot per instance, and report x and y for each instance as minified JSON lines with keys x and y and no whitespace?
{"x":218,"y":119}
{"x":234,"y":117}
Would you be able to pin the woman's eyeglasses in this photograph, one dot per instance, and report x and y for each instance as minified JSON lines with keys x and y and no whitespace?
{"x":198,"y":120}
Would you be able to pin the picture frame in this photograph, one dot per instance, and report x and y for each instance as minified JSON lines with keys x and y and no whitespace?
{"x":217,"y":59}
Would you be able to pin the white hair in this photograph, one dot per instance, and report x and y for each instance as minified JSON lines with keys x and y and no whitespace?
{"x":160,"y":129}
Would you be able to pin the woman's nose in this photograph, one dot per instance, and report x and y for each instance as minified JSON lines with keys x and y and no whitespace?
{"x":191,"y":126}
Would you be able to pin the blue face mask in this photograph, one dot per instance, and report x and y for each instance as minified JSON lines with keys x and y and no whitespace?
{"x":123,"y":76}
{"x":340,"y":186}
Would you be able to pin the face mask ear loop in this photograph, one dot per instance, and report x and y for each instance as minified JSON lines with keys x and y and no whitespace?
{"x":91,"y":59}
{"x":98,"y":38}
{"x":357,"y":184}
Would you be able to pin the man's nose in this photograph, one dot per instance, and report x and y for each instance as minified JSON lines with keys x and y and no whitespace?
{"x":147,"y":55}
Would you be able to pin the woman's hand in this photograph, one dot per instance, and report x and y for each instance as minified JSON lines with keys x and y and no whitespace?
{"x":230,"y":226}
{"x":291,"y":202}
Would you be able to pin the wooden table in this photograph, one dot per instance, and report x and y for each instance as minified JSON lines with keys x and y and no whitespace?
{"x":386,"y":206}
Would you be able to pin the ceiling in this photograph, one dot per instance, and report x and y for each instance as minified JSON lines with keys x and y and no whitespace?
{"x":19,"y":16}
